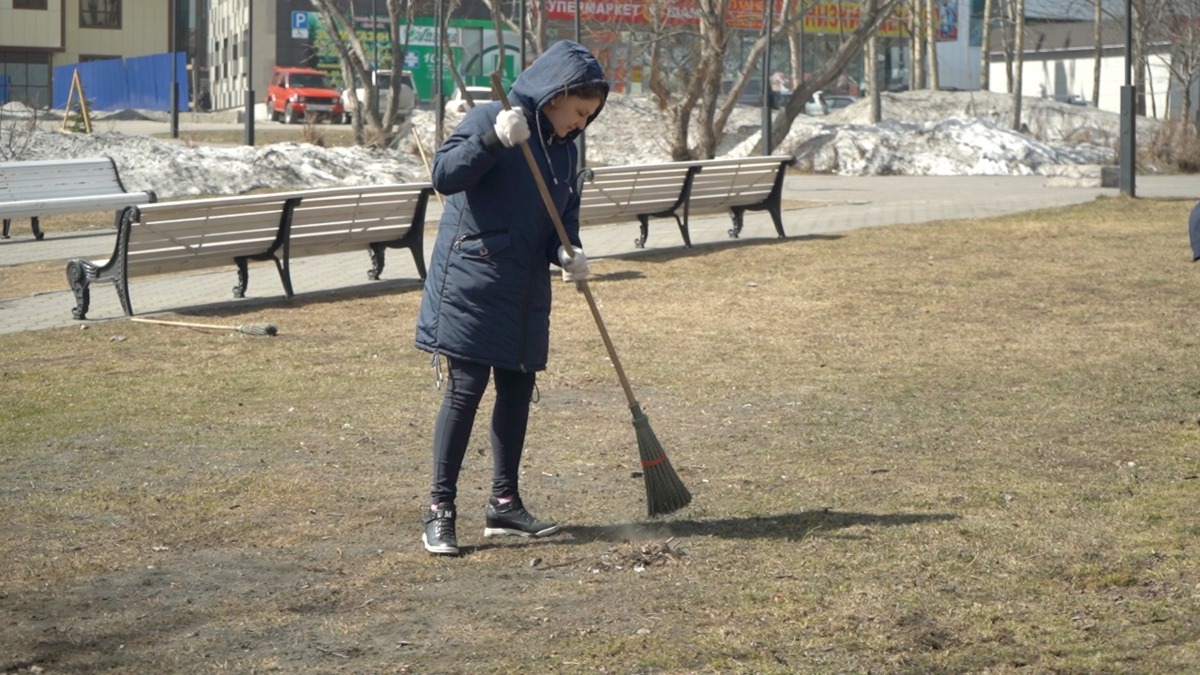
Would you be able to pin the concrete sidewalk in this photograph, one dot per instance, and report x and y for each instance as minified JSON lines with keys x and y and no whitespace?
{"x":831,"y":204}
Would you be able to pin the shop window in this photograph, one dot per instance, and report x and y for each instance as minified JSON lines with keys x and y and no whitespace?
{"x":29,"y":4}
{"x":25,"y":77}
{"x":100,"y":13}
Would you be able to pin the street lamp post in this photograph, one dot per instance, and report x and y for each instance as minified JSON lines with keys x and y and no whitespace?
{"x":375,"y":56}
{"x":1128,"y":169}
{"x":582,"y":140}
{"x":766,"y":75}
{"x":174,"y":97}
{"x":249,"y":73}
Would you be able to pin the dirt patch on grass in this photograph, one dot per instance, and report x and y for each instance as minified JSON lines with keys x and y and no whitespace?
{"x":959,"y":447}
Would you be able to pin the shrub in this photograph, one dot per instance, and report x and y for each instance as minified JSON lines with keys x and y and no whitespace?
{"x":1176,"y":144}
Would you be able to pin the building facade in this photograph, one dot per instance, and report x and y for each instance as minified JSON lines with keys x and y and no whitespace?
{"x":1060,"y":63}
{"x":38,"y":35}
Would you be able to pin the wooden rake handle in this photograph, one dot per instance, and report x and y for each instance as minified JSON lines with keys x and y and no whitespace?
{"x":582,"y":285}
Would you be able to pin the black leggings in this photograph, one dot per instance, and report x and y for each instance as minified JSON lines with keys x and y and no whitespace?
{"x":465,"y":385}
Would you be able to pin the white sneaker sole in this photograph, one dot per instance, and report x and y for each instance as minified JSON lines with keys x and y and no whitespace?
{"x":439,"y":550}
{"x":510,"y":532}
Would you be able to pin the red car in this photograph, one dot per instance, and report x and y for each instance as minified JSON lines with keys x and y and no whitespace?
{"x":296,"y":94}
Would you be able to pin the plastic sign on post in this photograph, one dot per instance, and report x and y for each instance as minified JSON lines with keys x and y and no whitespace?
{"x":300,"y":25}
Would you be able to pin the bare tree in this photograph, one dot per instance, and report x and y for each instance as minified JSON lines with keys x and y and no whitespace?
{"x":916,"y":44}
{"x":931,"y":36}
{"x":1178,"y":24}
{"x":1019,"y":65}
{"x":371,"y":126}
{"x":1009,"y":8}
{"x":872,"y":69}
{"x":873,"y":15}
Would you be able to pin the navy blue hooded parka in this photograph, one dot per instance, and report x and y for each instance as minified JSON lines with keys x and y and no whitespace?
{"x":487,"y":294}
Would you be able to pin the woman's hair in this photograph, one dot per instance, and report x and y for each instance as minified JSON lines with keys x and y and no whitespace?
{"x":591,"y":90}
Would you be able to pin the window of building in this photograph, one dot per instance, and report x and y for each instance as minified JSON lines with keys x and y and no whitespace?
{"x":25,"y":77}
{"x":29,"y":4}
{"x":100,"y":13}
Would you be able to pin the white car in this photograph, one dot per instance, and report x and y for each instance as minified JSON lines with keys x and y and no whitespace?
{"x":383,"y":80}
{"x":458,"y":102}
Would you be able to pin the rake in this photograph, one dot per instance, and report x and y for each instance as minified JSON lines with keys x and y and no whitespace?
{"x":665,"y":492}
{"x":245,"y":328}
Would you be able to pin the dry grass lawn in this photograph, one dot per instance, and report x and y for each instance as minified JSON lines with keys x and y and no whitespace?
{"x":955,"y":447}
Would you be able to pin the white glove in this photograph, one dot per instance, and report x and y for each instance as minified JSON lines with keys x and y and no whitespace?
{"x":511,"y":127}
{"x":576,"y":268}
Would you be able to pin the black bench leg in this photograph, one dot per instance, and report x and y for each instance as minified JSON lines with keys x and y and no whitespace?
{"x":683,"y":230}
{"x":7,"y":225}
{"x":35,"y":223}
{"x":418,"y":252}
{"x":640,"y":242}
{"x":378,"y":259}
{"x":285,"y":277}
{"x":78,"y":278}
{"x":122,"y":284}
{"x":737,"y":214}
{"x":243,"y":273}
{"x":777,"y":218}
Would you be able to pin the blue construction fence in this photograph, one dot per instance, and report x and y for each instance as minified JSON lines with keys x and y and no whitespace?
{"x":139,"y":82}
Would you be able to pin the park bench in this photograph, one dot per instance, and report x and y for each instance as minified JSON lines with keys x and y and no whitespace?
{"x":189,"y":235}
{"x":376,"y":218}
{"x":738,"y":185}
{"x":205,"y":233}
{"x":615,"y":194}
{"x":682,"y":189}
{"x":35,"y":189}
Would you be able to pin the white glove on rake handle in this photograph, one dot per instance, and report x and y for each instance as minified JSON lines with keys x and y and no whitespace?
{"x":511,"y":127}
{"x":576,"y":268}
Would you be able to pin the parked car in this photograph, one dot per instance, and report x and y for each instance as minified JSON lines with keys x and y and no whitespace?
{"x":458,"y":102}
{"x":295,"y":94}
{"x":383,"y":80}
{"x":816,"y":105}
{"x":838,"y":101}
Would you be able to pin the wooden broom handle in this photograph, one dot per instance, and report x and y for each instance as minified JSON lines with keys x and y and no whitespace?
{"x":582,"y":285}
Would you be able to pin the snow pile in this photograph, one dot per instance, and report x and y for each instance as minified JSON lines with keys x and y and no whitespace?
{"x":954,"y":147}
{"x":922,"y":133}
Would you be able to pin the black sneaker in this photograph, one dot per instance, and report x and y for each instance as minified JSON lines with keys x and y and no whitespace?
{"x":439,"y":536}
{"x":512,"y":518}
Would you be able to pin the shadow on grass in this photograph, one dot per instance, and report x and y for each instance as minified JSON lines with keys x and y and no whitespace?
{"x":789,"y":526}
{"x":237,"y":307}
{"x":678,"y":251}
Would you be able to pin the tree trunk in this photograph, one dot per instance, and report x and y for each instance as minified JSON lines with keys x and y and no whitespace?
{"x":1010,"y":15}
{"x":916,"y":43}
{"x":872,"y":68}
{"x":931,"y":33}
{"x":796,"y":45}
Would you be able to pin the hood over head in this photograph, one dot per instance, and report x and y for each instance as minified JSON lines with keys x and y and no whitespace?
{"x":565,"y":66}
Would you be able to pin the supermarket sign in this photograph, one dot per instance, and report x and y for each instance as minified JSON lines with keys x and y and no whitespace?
{"x":825,"y":17}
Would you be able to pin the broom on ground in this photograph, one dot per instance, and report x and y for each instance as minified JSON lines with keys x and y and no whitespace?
{"x":246,"y":328}
{"x":665,"y":492}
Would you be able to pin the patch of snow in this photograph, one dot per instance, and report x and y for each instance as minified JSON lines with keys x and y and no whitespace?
{"x":922,"y":133}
